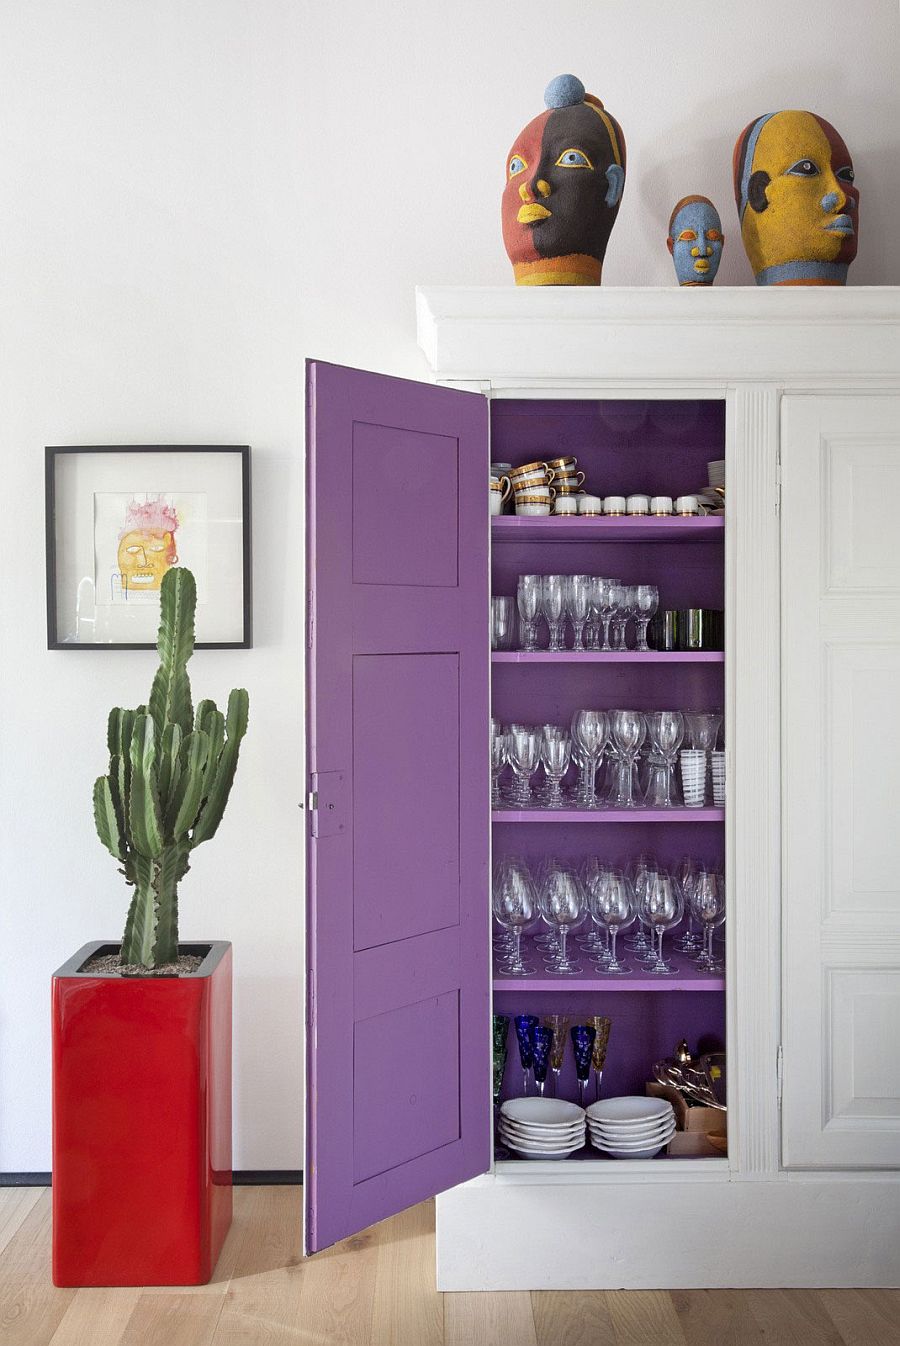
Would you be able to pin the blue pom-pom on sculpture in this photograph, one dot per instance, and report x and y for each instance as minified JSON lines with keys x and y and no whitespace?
{"x":564,"y":91}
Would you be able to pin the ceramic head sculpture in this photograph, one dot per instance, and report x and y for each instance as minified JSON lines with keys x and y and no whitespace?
{"x":564,"y":179}
{"x":798,"y":207}
{"x":695,"y":240}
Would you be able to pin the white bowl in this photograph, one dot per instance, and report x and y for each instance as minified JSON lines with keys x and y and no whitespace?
{"x":650,"y":1153}
{"x":634,"y":1147}
{"x":634,"y":1109}
{"x":537,"y":1152}
{"x":543,"y":1147}
{"x":542,"y":1111}
{"x":543,"y":1137}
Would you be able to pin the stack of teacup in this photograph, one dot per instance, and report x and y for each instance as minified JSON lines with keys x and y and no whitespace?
{"x":547,"y":487}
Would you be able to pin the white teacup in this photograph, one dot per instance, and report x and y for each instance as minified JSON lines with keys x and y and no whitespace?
{"x":565,"y":504}
{"x":614,"y":504}
{"x":590,"y":504}
{"x":537,"y":492}
{"x":661,"y":504}
{"x":532,"y":506}
{"x":637,"y":504}
{"x":687,"y":504}
{"x":530,"y":474}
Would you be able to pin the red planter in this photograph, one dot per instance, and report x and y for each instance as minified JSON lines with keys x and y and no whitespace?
{"x":141,"y":1122}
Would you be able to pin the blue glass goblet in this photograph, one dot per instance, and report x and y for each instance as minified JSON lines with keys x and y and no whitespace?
{"x":541,"y":1042}
{"x":583,"y":1036}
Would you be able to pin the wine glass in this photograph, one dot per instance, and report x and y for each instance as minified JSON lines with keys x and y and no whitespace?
{"x":602,"y":1025}
{"x":640,"y":872}
{"x":646,"y":603}
{"x":552,"y":606}
{"x":523,"y":755}
{"x":590,"y":731}
{"x":499,"y":749}
{"x":662,"y":906}
{"x":514,"y":903}
{"x":666,"y":731}
{"x":615,"y":910}
{"x":609,"y":596}
{"x":707,"y":902}
{"x":561,"y":902}
{"x":688,"y":942}
{"x":629,"y":728}
{"x":559,"y":1026}
{"x":528,"y":599}
{"x":617,"y":601}
{"x":525,"y":1026}
{"x":583,"y":1038}
{"x":578,"y":605}
{"x":593,"y":878}
{"x":556,"y":753}
{"x":541,"y":1042}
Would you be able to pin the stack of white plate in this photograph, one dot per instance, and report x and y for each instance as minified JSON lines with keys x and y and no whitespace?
{"x":631,"y":1128}
{"x":716,"y":472}
{"x":542,"y":1128}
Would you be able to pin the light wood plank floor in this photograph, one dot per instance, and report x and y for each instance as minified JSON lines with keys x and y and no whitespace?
{"x":378,"y":1290}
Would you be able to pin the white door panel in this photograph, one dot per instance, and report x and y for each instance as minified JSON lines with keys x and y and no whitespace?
{"x":841,"y":781}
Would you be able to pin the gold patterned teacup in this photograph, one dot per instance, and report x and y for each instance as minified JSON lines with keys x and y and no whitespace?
{"x":530,"y":474}
{"x":533,"y":505}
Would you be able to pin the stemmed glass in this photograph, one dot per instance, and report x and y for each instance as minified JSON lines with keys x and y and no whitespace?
{"x":499,"y":749}
{"x":559,"y":1026}
{"x":602,"y":1026}
{"x":662,"y":906}
{"x":590,"y":731}
{"x":514,"y":904}
{"x":578,"y":605}
{"x":629,"y":728}
{"x":614,"y":909}
{"x":688,"y":942}
{"x":561,"y":902}
{"x":556,"y":753}
{"x":523,"y":755}
{"x":640,"y":874}
{"x":617,"y":600}
{"x":594,"y":876}
{"x":708,"y":905}
{"x":666,"y":730}
{"x":525,"y":1026}
{"x":609,"y":593}
{"x":627,"y":609}
{"x":528,"y":598}
{"x":541,"y":1042}
{"x":552,"y":606}
{"x":646,"y":603}
{"x":583,"y":1038}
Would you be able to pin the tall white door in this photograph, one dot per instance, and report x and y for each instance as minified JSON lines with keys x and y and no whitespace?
{"x":840,"y":518}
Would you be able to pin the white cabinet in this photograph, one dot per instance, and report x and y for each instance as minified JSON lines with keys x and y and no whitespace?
{"x":811,"y":384}
{"x":840,"y":458}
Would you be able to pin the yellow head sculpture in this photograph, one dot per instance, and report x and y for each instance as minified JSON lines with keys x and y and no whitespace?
{"x":147,"y":545}
{"x":796,"y":198}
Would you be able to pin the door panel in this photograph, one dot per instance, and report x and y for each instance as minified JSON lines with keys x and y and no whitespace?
{"x":398,"y":1088}
{"x":841,"y":728}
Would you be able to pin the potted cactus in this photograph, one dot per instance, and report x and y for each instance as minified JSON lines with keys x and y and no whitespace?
{"x":142,"y":1027}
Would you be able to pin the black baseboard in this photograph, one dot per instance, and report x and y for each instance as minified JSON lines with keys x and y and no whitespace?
{"x":242,"y":1177}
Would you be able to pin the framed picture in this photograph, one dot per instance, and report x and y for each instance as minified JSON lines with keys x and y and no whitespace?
{"x":119,"y":517}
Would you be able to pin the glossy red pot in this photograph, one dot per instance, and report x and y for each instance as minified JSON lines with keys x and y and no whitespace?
{"x":141,"y":1122}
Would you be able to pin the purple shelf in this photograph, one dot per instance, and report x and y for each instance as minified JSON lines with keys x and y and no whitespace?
{"x":513,"y":528}
{"x":608,"y":816}
{"x":607,"y":657}
{"x":638,"y":981}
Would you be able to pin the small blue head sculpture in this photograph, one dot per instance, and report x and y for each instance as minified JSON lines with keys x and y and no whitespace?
{"x":695,"y":240}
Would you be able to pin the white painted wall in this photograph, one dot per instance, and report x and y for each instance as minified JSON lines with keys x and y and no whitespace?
{"x":195,"y":197}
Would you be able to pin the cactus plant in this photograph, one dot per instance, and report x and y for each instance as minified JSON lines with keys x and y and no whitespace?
{"x":170,"y":774}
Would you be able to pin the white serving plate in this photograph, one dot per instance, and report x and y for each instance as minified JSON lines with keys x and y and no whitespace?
{"x":542,"y":1111}
{"x":636,"y":1110}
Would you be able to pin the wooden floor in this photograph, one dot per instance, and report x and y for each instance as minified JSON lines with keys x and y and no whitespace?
{"x":378,"y":1290}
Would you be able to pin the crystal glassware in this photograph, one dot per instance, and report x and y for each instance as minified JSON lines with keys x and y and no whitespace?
{"x":552,"y":606}
{"x":499,"y":748}
{"x":541,"y":1042}
{"x":646,"y":603}
{"x":602,"y":1026}
{"x":610,"y":592}
{"x":559,"y":1025}
{"x":514,"y":905}
{"x":556,"y":753}
{"x":666,"y":731}
{"x":618,"y":605}
{"x":583,"y":1038}
{"x":525,"y":1025}
{"x":707,"y":902}
{"x":590,"y":731}
{"x":628,"y":728}
{"x":615,"y":910}
{"x":528,"y":600}
{"x":523,"y":755}
{"x":503,"y":621}
{"x":578,"y":605}
{"x":500,"y":1029}
{"x":662,"y":906}
{"x":561,"y":901}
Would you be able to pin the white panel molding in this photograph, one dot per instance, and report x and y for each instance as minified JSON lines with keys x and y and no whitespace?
{"x":753,"y":854}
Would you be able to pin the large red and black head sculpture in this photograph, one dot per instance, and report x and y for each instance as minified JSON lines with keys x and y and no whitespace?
{"x":564,"y":180}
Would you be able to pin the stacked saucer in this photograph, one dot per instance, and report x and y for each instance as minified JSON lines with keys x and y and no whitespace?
{"x":542,"y":1128}
{"x":631,"y":1128}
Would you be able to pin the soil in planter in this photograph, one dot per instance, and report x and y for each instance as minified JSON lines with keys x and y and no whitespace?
{"x":112,"y":963}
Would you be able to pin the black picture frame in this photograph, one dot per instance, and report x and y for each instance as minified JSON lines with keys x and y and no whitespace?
{"x":52,"y":456}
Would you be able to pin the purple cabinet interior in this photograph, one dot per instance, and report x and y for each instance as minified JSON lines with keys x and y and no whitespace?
{"x":398,"y":1087}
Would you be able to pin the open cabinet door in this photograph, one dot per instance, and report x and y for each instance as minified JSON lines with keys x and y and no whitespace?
{"x":398,"y":1034}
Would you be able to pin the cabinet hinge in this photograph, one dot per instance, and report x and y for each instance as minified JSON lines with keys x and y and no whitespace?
{"x":779,"y":1072}
{"x":312,"y":800}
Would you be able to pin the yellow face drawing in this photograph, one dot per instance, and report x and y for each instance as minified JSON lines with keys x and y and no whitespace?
{"x":144,"y":557}
{"x":800,"y":208}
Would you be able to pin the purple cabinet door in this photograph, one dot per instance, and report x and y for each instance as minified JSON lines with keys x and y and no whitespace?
{"x":398,"y":1055}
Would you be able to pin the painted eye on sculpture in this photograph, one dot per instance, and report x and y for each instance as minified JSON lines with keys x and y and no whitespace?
{"x":516,"y":165}
{"x":714,"y":235}
{"x":803,"y":168}
{"x":573,"y":158}
{"x":845,"y":174}
{"x":687,"y":236}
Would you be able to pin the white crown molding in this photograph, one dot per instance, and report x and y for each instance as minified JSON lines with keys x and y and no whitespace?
{"x":804,"y":335}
